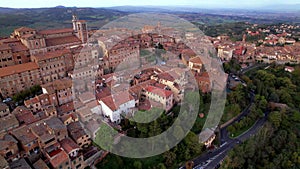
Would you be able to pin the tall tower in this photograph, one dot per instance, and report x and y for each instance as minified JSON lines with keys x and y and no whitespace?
{"x":74,"y":20}
{"x":82,"y":32}
{"x":80,"y":29}
{"x":244,"y":38}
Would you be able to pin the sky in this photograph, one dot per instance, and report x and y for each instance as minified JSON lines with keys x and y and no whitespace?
{"x":110,"y":3}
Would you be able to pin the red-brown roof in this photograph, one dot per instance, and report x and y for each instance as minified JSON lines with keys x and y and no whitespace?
{"x":159,"y":91}
{"x":166,"y":76}
{"x":196,"y":60}
{"x":62,"y":40}
{"x":58,"y":157}
{"x":68,"y":145}
{"x":18,"y":46}
{"x":52,"y":54}
{"x":114,"y":101}
{"x":55,"y":31}
{"x":5,"y":47}
{"x":10,"y":70}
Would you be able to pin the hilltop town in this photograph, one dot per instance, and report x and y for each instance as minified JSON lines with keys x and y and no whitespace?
{"x":57,"y":87}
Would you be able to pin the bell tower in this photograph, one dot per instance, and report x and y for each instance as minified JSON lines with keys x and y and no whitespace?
{"x":80,"y":28}
{"x":74,"y":20}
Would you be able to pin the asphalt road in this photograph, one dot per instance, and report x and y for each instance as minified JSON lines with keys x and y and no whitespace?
{"x":213,"y":159}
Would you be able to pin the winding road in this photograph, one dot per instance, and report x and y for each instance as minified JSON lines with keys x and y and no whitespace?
{"x":213,"y":159}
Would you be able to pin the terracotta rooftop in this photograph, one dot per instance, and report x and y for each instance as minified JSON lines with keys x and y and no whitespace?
{"x":87,"y":97}
{"x":166,"y":76}
{"x":60,"y":84}
{"x":62,"y":40}
{"x":24,"y":135}
{"x":66,"y":108}
{"x":4,"y":47}
{"x":55,"y":31}
{"x":9,"y":40}
{"x":115,"y":100}
{"x":6,"y":141}
{"x":19,"y":164}
{"x":40,"y":164}
{"x":56,"y":124}
{"x":8,"y":122}
{"x":76,"y":131}
{"x":18,"y":46}
{"x":58,"y":157}
{"x":159,"y":91}
{"x":52,"y":54}
{"x":68,"y":145}
{"x":24,"y":115}
{"x":196,"y":60}
{"x":10,"y":70}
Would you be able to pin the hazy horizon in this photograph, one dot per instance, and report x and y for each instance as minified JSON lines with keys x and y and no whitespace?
{"x":172,"y":3}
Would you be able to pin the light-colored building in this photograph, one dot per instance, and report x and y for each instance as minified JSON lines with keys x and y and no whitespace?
{"x":207,"y":136}
{"x":162,"y":96}
{"x":116,"y":105}
{"x":196,"y":64}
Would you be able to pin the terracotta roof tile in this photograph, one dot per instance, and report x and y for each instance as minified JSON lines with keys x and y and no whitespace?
{"x":59,"y":84}
{"x":68,"y":145}
{"x":49,"y":55}
{"x":196,"y":60}
{"x":58,"y":157}
{"x":55,"y":31}
{"x":159,"y":91}
{"x":115,"y":100}
{"x":4,"y":47}
{"x":62,"y":40}
{"x":10,"y":70}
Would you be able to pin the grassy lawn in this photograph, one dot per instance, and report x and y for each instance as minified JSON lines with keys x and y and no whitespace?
{"x":230,"y":112}
{"x":241,"y":130}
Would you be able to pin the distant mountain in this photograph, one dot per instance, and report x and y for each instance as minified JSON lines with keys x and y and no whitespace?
{"x":283,"y":8}
{"x":60,"y":6}
{"x":57,"y":17}
{"x":60,"y":16}
{"x":140,"y":8}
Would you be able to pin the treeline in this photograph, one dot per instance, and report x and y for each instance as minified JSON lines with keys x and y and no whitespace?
{"x":277,"y":145}
{"x":187,"y":149}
